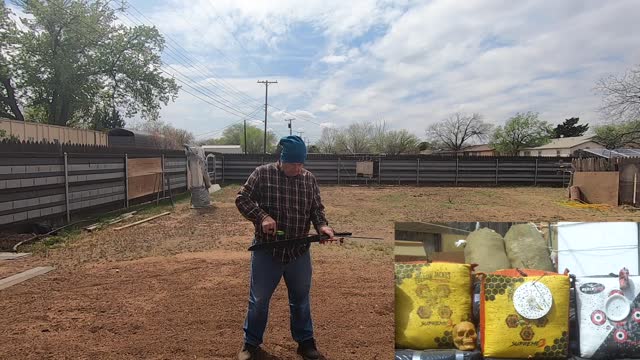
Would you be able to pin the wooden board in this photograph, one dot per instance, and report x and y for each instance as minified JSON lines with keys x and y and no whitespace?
{"x":449,"y":256}
{"x":364,"y":168}
{"x":145,"y":166}
{"x":600,"y":187}
{"x":145,"y":177}
{"x":12,"y":256}
{"x":24,"y":276}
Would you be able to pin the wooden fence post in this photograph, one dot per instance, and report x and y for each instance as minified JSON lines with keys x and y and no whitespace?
{"x":66,"y":186}
{"x":126,"y":180}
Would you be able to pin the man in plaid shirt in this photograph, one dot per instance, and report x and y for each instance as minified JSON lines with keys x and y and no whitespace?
{"x":282,"y":197}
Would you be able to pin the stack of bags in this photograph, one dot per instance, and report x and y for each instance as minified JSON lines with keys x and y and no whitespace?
{"x":521,"y":306}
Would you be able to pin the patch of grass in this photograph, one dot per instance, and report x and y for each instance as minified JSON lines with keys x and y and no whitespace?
{"x":73,"y":233}
{"x":227,"y":193}
{"x":64,"y":237}
{"x":485,"y":193}
{"x":394,"y":197}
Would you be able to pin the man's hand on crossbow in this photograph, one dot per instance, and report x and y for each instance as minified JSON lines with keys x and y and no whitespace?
{"x":327,"y":231}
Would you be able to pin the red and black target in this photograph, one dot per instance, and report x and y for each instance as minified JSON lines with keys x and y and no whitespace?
{"x":598,"y":317}
{"x":613,"y":292}
{"x":636,"y":315}
{"x":620,"y":335}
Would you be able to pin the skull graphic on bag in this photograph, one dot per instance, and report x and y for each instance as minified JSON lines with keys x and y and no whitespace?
{"x":465,"y":336}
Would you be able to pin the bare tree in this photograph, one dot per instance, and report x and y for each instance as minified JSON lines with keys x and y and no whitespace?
{"x":458,"y":129}
{"x":327,"y":142}
{"x":355,"y":139}
{"x":165,"y":135}
{"x":364,"y":137}
{"x":400,"y":142}
{"x":621,"y":95}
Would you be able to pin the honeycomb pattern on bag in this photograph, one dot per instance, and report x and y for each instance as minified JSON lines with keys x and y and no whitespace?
{"x":499,"y":285}
{"x":446,"y":341}
{"x":556,"y":350}
{"x":406,"y":271}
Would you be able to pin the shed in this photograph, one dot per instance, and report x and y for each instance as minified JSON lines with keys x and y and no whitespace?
{"x":132,"y":138}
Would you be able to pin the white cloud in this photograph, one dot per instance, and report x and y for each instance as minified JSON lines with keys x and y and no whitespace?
{"x":328,"y":125}
{"x":334,"y":59}
{"x":410,"y":63}
{"x":328,"y":107}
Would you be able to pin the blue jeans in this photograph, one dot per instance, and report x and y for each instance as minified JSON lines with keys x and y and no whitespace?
{"x":266,"y":272}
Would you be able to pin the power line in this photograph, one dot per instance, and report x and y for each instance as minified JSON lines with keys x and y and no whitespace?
{"x":221,"y":102}
{"x":243,"y":97}
{"x":234,"y":123}
{"x":106,"y":5}
{"x":234,"y":36}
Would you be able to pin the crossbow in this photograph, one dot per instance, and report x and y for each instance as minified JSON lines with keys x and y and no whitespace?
{"x":305,"y":240}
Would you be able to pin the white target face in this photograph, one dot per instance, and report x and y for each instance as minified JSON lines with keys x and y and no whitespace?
{"x":617,"y":307}
{"x":532,"y":300}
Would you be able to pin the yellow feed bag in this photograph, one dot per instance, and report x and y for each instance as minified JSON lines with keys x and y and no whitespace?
{"x":430,"y":300}
{"x":525,"y":316}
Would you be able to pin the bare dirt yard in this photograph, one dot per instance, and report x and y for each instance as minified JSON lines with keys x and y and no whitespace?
{"x":177,"y":287}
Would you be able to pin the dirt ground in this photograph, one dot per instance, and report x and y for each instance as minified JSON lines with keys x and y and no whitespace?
{"x":176,"y":287}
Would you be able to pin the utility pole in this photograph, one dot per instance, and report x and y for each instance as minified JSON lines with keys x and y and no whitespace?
{"x":266,"y":104}
{"x":289,"y":120}
{"x":245,"y":136}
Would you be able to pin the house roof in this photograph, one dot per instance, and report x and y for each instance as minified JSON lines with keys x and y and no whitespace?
{"x":564,"y":143}
{"x":482,"y":147}
{"x":221,"y":146}
{"x":615,"y":153}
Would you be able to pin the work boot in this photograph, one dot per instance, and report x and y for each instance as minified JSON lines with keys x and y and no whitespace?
{"x":248,"y":352}
{"x":308,"y":350}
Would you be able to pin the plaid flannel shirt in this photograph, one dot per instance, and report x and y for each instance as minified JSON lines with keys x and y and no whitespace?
{"x":293,"y":202}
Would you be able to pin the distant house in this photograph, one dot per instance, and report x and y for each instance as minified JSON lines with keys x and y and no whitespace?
{"x":609,"y":153}
{"x":223,"y":149}
{"x":479,"y":150}
{"x":562,"y":147}
{"x":472,"y":150}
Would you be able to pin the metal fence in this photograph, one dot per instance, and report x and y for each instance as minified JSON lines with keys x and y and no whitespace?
{"x":34,"y":186}
{"x":408,"y":170}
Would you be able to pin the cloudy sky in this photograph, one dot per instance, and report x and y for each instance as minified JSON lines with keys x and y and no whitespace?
{"x":409,"y":63}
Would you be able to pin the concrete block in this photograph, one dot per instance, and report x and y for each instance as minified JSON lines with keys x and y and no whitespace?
{"x":3,"y":184}
{"x":17,"y":204}
{"x":7,"y":205}
{"x":58,"y":209}
{"x":34,"y":214}
{"x":19,"y":216}
{"x":18,"y":169}
{"x":40,"y":181}
{"x":13,"y":183}
{"x":6,"y":219}
{"x":45,"y":200}
{"x":33,"y":169}
{"x":5,"y":170}
{"x":27,"y":182}
{"x":45,"y":211}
